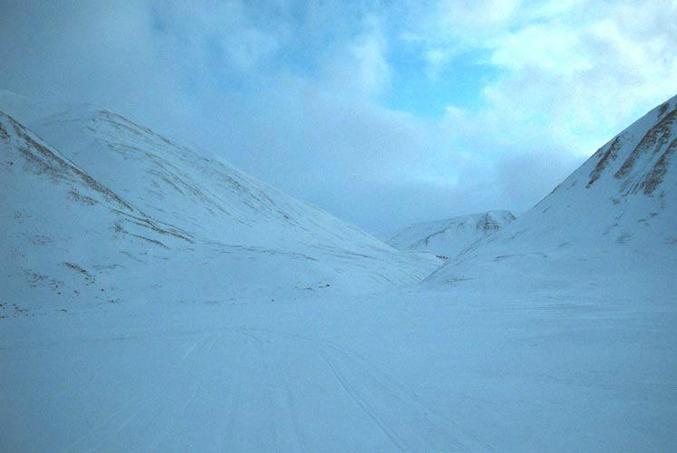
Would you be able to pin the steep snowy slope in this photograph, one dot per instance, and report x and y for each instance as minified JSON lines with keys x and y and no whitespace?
{"x":134,"y":216}
{"x":61,"y":229}
{"x":613,"y":220}
{"x":201,"y":194}
{"x":450,"y":236}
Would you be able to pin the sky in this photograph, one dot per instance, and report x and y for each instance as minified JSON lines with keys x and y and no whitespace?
{"x":383,"y":113}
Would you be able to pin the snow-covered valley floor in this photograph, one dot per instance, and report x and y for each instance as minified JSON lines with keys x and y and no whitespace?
{"x":407,"y":370}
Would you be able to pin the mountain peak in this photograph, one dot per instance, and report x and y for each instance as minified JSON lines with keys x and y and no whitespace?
{"x":638,"y":159}
{"x":448,"y":237}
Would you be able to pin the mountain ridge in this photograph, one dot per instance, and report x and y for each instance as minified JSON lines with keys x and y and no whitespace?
{"x":617,"y":212}
{"x":449,"y":236}
{"x":114,"y":202}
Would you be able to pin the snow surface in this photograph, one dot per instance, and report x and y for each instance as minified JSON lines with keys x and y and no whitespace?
{"x":555,"y":333}
{"x":418,"y":371}
{"x":450,"y":236}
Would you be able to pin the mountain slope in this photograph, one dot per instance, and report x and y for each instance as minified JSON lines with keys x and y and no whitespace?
{"x":613,"y":221}
{"x":56,"y":219}
{"x":200,"y":193}
{"x":121,"y":213}
{"x":448,"y":237}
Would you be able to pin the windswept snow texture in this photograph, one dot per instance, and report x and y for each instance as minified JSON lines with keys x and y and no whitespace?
{"x":450,"y":236}
{"x":115,"y":211}
{"x":613,"y":221}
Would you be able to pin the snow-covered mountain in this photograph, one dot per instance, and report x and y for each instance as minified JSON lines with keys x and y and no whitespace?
{"x":450,"y":236}
{"x":613,"y":219}
{"x":555,"y":333}
{"x":101,"y":208}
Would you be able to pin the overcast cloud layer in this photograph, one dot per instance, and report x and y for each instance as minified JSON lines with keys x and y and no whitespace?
{"x":383,"y":113}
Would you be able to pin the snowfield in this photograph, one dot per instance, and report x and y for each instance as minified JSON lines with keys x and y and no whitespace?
{"x":156,"y":299}
{"x":417,"y":371}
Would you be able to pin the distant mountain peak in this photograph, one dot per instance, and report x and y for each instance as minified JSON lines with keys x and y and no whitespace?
{"x":448,"y":237}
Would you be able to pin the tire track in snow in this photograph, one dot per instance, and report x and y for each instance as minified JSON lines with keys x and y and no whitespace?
{"x":407,"y":399}
{"x":363,"y":404}
{"x":205,"y":344}
{"x":398,"y":412}
{"x":298,"y":428}
{"x":277,"y":389}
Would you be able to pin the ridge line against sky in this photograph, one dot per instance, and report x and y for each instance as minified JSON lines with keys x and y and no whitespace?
{"x":383,"y":113}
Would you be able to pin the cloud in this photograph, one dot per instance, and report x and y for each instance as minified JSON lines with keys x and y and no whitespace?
{"x":298,"y":94}
{"x":360,"y":68}
{"x":574,"y":71}
{"x":468,"y":19}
